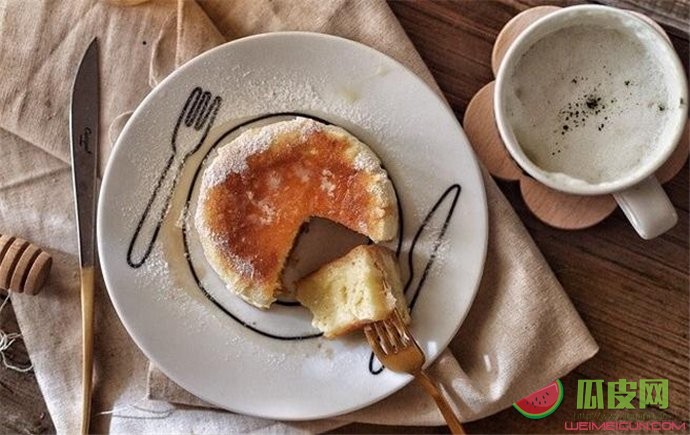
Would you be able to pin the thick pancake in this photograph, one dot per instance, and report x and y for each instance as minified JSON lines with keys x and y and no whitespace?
{"x":265,"y":184}
{"x":362,"y":287}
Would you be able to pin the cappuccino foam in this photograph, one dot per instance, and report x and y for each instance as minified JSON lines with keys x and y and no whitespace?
{"x":590,"y":104}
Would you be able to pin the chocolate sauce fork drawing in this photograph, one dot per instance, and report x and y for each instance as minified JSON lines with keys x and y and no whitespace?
{"x":192,"y":126}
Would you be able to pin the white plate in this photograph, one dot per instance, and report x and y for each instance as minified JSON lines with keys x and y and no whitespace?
{"x":174,"y":306}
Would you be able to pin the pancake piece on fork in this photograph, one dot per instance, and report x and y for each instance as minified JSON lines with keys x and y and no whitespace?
{"x":362,"y":287}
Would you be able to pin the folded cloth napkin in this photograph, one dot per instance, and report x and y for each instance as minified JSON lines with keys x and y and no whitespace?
{"x":521,"y":333}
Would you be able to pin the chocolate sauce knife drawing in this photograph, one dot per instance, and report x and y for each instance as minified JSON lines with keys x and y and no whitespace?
{"x":84,"y":119}
{"x":191,"y":128}
{"x":424,"y":251}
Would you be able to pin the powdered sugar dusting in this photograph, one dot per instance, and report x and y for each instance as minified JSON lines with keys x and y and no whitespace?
{"x":366,"y":161}
{"x":183,"y":218}
{"x":327,"y":184}
{"x":274,"y":181}
{"x":302,"y":173}
{"x":268,"y":212}
{"x":156,"y":267}
{"x":232,"y":158}
{"x":242,"y":265}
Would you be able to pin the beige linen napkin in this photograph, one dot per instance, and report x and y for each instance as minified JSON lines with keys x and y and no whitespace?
{"x":521,"y":333}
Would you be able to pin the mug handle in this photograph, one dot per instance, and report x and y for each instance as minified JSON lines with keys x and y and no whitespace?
{"x":647,"y":207}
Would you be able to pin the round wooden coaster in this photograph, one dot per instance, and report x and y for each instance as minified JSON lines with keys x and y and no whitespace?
{"x":10,"y":260}
{"x":38,"y":273}
{"x":522,"y":20}
{"x":513,"y":28}
{"x":483,"y":134}
{"x":652,"y":23}
{"x":558,"y":209}
{"x":677,"y":160}
{"x":563,"y":210}
{"x":555,"y":208}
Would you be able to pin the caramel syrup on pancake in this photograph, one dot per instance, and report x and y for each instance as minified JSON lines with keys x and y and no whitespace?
{"x":258,"y":212}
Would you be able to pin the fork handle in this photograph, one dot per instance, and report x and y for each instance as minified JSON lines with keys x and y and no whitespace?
{"x":149,"y":224}
{"x":443,"y":406}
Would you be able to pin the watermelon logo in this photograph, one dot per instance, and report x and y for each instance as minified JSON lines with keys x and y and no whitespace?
{"x":541,"y":403}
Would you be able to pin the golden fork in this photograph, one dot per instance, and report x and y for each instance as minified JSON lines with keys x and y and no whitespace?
{"x":397,"y":350}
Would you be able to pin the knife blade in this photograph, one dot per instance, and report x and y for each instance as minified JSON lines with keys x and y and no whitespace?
{"x":84,"y":119}
{"x":84,"y":134}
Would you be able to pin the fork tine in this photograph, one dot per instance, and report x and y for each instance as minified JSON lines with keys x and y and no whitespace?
{"x":408,"y":357}
{"x":377,"y":344}
{"x":203,"y":110}
{"x":195,"y":111}
{"x":373,"y":340}
{"x":212,"y":111}
{"x":393,"y":336}
{"x":190,"y":107}
{"x":382,"y":338}
{"x":398,"y":323}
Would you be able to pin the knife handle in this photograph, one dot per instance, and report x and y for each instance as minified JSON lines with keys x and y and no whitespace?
{"x":149,"y":224}
{"x":87,"y":290}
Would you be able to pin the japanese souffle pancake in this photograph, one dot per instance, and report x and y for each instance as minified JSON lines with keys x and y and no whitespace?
{"x":261,"y":187}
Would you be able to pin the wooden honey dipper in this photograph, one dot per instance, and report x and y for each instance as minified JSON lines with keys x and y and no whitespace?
{"x":24,"y":266}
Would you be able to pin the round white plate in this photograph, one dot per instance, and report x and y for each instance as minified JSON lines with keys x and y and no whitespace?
{"x":273,"y":364}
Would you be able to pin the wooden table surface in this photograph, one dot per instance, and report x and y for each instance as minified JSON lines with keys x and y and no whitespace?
{"x":632,"y":294}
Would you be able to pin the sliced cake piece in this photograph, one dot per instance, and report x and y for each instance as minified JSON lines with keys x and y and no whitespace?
{"x":362,"y":287}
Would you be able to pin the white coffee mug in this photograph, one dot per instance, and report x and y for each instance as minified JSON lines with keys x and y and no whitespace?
{"x":586,"y":115}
